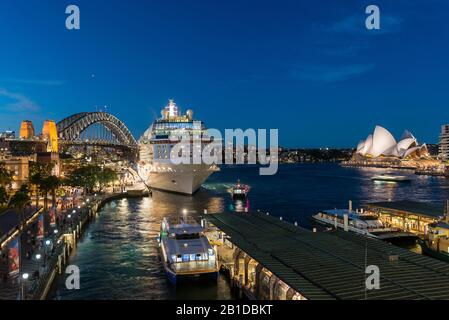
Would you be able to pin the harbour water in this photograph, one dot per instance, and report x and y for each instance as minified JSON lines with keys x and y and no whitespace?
{"x":118,"y":256}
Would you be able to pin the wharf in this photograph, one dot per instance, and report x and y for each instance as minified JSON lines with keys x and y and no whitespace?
{"x":42,"y":274}
{"x":271,"y":259}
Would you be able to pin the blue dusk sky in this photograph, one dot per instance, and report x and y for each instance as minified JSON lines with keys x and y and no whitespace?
{"x":309,"y":68}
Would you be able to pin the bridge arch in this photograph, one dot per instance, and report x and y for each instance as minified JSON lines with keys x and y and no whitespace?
{"x":70,"y":128}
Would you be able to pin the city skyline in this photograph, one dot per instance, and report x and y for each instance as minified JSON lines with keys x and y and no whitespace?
{"x":313,"y":71}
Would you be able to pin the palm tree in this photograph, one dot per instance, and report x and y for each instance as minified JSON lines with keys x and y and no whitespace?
{"x":38,"y":173}
{"x":19,"y":201}
{"x":53,"y":183}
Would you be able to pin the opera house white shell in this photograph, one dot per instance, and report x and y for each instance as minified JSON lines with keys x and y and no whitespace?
{"x":382,"y":144}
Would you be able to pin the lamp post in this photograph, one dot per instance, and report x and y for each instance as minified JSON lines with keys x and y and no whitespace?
{"x":24,"y":279}
{"x":38,"y":259}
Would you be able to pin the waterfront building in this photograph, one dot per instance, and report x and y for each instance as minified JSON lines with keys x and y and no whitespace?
{"x":26,"y":130}
{"x":50,"y":157}
{"x":382,"y":144}
{"x":408,"y":215}
{"x":19,"y":167}
{"x":444,"y":143}
{"x":278,"y":261}
{"x":8,"y":134}
{"x":50,"y":134}
{"x":439,"y":236}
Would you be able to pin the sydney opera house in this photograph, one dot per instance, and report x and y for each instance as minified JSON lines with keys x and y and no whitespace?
{"x":381,"y":147}
{"x":382,"y":144}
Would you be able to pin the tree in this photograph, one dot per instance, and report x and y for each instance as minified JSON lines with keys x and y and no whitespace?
{"x":84,"y":177}
{"x":5,"y":176}
{"x":105,"y":176}
{"x":52,"y":183}
{"x":3,"y":196}
{"x":19,"y":201}
{"x":39,"y":172}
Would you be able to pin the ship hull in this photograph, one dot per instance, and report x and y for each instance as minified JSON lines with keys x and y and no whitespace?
{"x":184,"y":178}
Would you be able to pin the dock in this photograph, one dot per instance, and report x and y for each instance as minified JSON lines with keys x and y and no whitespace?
{"x":412,"y":216}
{"x":268,"y":258}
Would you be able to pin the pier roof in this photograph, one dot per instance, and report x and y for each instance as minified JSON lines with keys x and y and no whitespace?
{"x":331,"y":265}
{"x":431,"y":210}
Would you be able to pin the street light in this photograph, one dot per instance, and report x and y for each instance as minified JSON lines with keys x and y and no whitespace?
{"x":69,"y":216}
{"x":55,"y":231}
{"x":47,"y":242}
{"x":74,"y":211}
{"x":38,"y":259}
{"x":25,"y":277}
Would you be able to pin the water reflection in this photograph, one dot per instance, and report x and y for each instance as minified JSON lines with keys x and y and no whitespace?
{"x":118,"y":256}
{"x":119,"y":259}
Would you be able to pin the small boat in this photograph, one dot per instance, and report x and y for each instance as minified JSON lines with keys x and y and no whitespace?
{"x":391,"y":178}
{"x":367,"y":224}
{"x":240,"y":191}
{"x":185,"y":250}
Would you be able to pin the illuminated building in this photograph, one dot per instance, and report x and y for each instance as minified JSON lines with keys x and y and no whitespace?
{"x":382,"y":144}
{"x":8,"y":134}
{"x":50,"y":157}
{"x":19,"y":167}
{"x":26,"y":130}
{"x":50,"y":134}
{"x":444,"y":142}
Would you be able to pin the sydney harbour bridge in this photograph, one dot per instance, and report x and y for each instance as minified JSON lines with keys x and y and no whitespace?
{"x":96,"y":135}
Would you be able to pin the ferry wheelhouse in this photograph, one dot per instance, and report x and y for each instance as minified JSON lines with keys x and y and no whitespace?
{"x":185,"y":250}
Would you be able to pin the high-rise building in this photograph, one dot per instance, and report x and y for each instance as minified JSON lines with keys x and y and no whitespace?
{"x":26,"y":130}
{"x":444,"y":142}
{"x":50,"y":134}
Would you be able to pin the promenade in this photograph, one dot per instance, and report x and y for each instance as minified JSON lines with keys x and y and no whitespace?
{"x":41,"y":258}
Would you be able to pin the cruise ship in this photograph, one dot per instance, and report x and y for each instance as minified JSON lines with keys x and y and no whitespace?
{"x":156,"y":166}
{"x":185,"y":250}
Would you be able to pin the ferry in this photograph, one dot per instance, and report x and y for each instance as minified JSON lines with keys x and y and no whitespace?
{"x":185,"y":250}
{"x":240,"y":191}
{"x":391,"y":178}
{"x":367,"y":224}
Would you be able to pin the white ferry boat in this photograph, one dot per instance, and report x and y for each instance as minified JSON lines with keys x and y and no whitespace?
{"x":185,"y":250}
{"x":156,"y":166}
{"x":240,"y":191}
{"x":391,"y":178}
{"x":367,"y":224}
